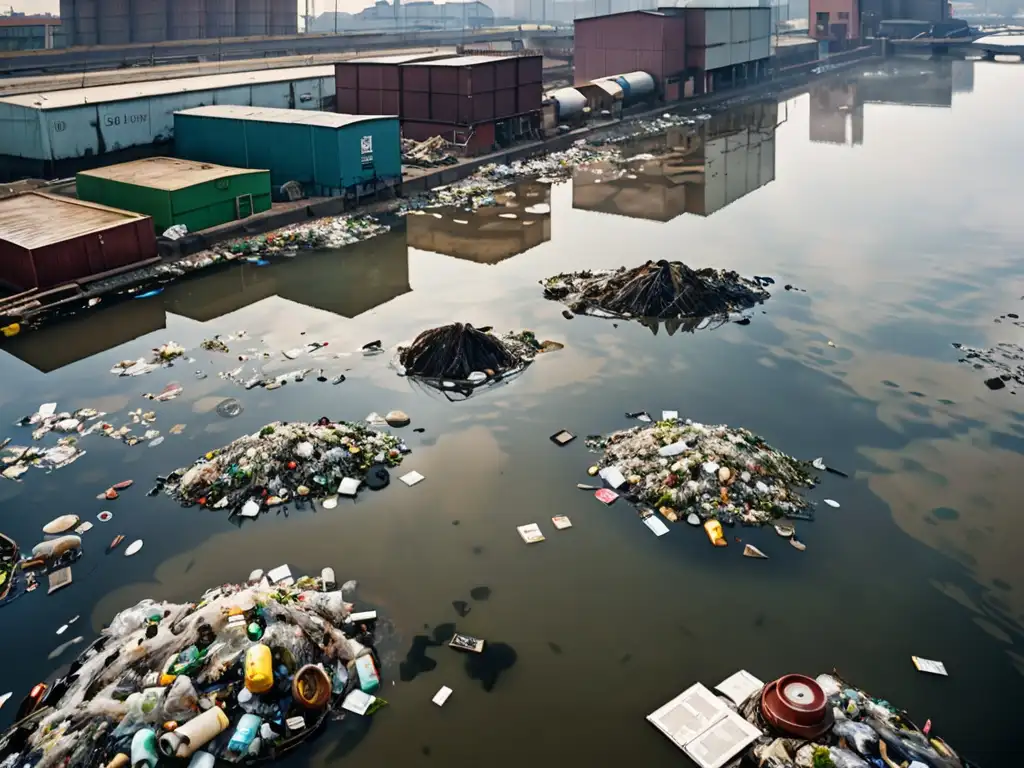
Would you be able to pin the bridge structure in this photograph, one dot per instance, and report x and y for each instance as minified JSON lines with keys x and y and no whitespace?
{"x":81,"y":59}
{"x":1008,"y":43}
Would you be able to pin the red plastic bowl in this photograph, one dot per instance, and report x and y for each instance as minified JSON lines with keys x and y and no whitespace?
{"x":795,"y":704}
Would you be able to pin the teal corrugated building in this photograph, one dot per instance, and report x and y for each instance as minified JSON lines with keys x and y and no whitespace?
{"x":329,"y":154}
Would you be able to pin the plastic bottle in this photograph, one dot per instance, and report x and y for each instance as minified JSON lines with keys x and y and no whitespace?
{"x":194,"y":734}
{"x":369,"y":680}
{"x":144,"y":753}
{"x":202,"y":760}
{"x":245,"y":732}
{"x":259,"y":669}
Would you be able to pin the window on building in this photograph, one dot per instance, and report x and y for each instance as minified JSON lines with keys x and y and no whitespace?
{"x":821,"y":22}
{"x":844,"y":16}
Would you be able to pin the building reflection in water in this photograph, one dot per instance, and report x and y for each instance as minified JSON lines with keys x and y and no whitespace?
{"x":697,"y":170}
{"x":62,"y":343}
{"x":839,"y":101}
{"x":346,"y":281}
{"x":487,"y":235}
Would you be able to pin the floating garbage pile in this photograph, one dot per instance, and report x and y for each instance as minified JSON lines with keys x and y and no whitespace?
{"x":245,"y":673}
{"x":428,"y":154}
{"x":477,"y":191}
{"x":461,"y":358}
{"x":660,"y":290}
{"x":799,"y":721}
{"x":286,"y":462}
{"x":1005,"y":359}
{"x":331,"y":232}
{"x":162,"y":356}
{"x":636,"y":129}
{"x":703,"y":473}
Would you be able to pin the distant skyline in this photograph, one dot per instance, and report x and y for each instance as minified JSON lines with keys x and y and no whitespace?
{"x":53,"y":6}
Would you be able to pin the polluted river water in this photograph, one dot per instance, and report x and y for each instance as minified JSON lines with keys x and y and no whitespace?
{"x":888,"y":202}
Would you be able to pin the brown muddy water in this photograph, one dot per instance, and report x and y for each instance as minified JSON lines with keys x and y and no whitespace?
{"x":894,"y":202}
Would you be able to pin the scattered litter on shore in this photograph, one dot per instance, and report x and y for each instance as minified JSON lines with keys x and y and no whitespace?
{"x":683,"y":468}
{"x":428,"y":154}
{"x":660,"y":290}
{"x":282,"y":463}
{"x":798,"y":721}
{"x":247,"y":672}
{"x":458,"y":358}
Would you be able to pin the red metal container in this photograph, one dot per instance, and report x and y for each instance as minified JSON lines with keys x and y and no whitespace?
{"x":346,"y":100}
{"x":530,"y":97}
{"x":628,"y":42}
{"x":506,"y":73}
{"x":505,"y":102}
{"x":448,"y":108}
{"x":377,"y":102}
{"x":444,"y":80}
{"x":346,"y":74}
{"x":415,"y":105}
{"x":482,"y":107}
{"x":416,"y":78}
{"x":531,"y":69}
{"x":46,"y":240}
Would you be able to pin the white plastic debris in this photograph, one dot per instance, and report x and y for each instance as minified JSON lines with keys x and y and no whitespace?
{"x":442,"y":695}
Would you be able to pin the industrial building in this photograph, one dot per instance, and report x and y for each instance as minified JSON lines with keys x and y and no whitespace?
{"x":57,"y":133}
{"x":118,"y":22}
{"x":476,"y":102}
{"x":699,"y":47}
{"x":373,"y":85}
{"x":46,"y":240}
{"x":173,"y":191}
{"x":28,"y":33}
{"x":486,"y":237}
{"x":417,"y":15}
{"x":327,"y":153}
{"x":695,"y":171}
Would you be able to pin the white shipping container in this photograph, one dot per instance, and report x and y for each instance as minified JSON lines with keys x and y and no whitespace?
{"x":716,"y":27}
{"x":760,"y":48}
{"x":63,"y":125}
{"x":760,"y":23}
{"x":717,"y":56}
{"x":740,"y":21}
{"x":739,"y":53}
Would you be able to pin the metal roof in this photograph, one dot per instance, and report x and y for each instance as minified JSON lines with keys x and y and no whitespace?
{"x":398,"y":58}
{"x":166,"y":173}
{"x":35,"y":220}
{"x":462,"y":61}
{"x":100,"y":94}
{"x":277,"y":115}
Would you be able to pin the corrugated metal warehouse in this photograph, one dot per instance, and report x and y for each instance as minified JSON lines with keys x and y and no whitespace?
{"x":56,"y":133}
{"x":172,"y":191}
{"x":648,"y":41}
{"x":373,"y":86}
{"x":473,"y":101}
{"x":727,"y":45}
{"x":328,"y":153}
{"x":46,"y":240}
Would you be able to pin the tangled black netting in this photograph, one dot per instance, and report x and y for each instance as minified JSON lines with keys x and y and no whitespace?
{"x":455,"y":351}
{"x":660,"y":290}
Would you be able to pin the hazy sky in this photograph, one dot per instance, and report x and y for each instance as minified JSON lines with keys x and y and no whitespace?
{"x":53,"y":6}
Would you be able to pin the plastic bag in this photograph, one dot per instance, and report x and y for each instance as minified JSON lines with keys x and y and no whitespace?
{"x":860,"y":735}
{"x":330,"y":605}
{"x":134,"y":618}
{"x":844,"y":758}
{"x":181,"y":702}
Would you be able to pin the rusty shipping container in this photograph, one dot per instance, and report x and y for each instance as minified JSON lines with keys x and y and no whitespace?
{"x":47,"y":240}
{"x":284,"y":17}
{"x":506,"y":73}
{"x":149,"y":21}
{"x":114,"y":22}
{"x":186,"y":20}
{"x":377,"y":102}
{"x":86,"y":28}
{"x":505,"y":102}
{"x":531,"y":69}
{"x":220,"y":18}
{"x":252,"y":17}
{"x":644,"y":41}
{"x":530,"y":97}
{"x":346,"y":100}
{"x":415,"y":105}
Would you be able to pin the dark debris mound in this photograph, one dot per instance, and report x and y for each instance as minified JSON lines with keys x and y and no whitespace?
{"x":455,"y":351}
{"x":662,"y":290}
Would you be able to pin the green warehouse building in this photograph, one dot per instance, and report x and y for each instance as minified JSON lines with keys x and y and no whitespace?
{"x":173,"y":191}
{"x":329,"y":154}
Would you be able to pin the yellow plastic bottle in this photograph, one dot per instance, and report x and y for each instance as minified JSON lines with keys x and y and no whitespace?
{"x":259,"y":669}
{"x":716,"y":536}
